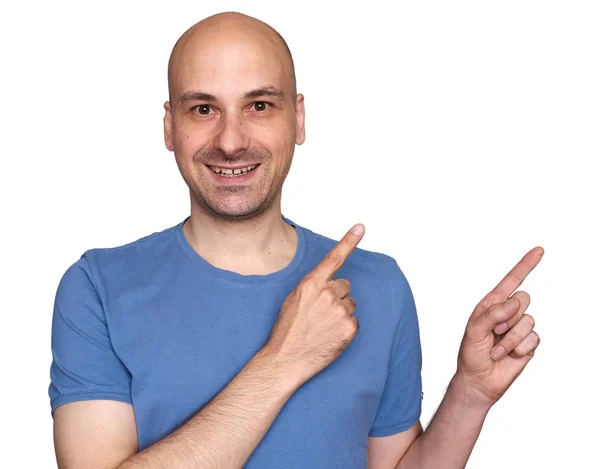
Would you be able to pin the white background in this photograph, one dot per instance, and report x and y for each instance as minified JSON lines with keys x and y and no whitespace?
{"x":462,"y":134}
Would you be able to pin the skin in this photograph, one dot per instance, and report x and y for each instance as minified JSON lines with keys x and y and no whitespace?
{"x":228,"y":56}
{"x":238,"y":227}
{"x":482,"y":377}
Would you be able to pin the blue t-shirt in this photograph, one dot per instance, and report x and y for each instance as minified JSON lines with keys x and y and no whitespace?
{"x":153,"y":324}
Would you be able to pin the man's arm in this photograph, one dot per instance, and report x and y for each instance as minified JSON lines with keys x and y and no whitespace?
{"x":222,"y":435}
{"x":450,"y":437}
{"x":314,"y":326}
{"x":498,"y":343}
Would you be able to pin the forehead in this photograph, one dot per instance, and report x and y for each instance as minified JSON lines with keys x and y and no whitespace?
{"x":227,"y":67}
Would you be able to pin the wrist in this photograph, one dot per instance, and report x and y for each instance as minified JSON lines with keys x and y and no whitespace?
{"x":467,"y":396}
{"x":279,"y":369}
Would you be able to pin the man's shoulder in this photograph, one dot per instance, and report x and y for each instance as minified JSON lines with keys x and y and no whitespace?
{"x":146,"y":243}
{"x":370,"y":263}
{"x":143,"y":253}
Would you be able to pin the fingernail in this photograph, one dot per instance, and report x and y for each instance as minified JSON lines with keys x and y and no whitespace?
{"x":497,"y":352}
{"x":358,"y":229}
{"x":501,"y":328}
{"x":510,"y":303}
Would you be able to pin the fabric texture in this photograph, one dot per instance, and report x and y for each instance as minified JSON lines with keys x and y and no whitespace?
{"x":153,"y":324}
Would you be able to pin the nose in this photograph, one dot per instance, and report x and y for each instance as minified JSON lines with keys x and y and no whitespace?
{"x":231,"y":137}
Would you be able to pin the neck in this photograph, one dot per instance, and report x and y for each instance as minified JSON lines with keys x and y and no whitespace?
{"x":259,"y":245}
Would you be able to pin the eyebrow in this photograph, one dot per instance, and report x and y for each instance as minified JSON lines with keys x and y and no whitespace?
{"x":270,"y":91}
{"x":196,"y":96}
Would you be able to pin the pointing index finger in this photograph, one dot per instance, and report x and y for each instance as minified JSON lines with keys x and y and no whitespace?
{"x":335,"y":258}
{"x":513,"y":279}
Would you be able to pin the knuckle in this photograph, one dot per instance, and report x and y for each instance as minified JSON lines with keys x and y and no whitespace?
{"x":308,"y":282}
{"x":340,"y":310}
{"x":512,"y":276}
{"x":514,"y":336}
{"x":329,"y":295}
{"x":512,"y":340}
{"x":528,"y":320}
{"x":351,"y":326}
{"x":494,"y":312}
{"x":490,"y":301}
{"x":333,"y":258}
{"x":341,"y":283}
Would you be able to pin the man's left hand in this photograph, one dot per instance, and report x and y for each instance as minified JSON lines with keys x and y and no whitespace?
{"x":499,"y":338}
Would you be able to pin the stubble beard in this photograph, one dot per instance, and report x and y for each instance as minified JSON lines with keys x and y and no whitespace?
{"x":249,"y":201}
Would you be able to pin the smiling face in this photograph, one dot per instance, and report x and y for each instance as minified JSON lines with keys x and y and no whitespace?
{"x":233,"y":118}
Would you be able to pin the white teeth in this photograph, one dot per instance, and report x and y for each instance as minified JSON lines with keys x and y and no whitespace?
{"x":232,"y":172}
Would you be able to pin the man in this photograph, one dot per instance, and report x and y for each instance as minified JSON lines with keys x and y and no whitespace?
{"x":231,"y":340}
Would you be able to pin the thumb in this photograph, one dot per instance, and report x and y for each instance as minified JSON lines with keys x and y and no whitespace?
{"x":496,"y":314}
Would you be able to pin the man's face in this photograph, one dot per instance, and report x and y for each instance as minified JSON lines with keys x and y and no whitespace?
{"x":233,"y":123}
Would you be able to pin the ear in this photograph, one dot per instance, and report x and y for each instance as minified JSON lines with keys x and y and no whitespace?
{"x":168,"y":126}
{"x":300,"y":133}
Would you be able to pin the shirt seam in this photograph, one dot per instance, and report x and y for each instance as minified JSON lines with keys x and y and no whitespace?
{"x":105,"y":315}
{"x":244,"y":284}
{"x":406,"y":424}
{"x":141,"y":241}
{"x":90,"y":392}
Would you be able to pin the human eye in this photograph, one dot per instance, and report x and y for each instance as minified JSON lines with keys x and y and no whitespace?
{"x":260,"y":106}
{"x":202,"y":109}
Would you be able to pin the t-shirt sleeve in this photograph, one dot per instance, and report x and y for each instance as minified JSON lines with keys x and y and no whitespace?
{"x":400,"y":405}
{"x":84,"y":363}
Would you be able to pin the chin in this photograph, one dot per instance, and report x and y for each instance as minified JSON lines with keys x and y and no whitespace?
{"x":239,"y":210}
{"x":233,"y":203}
{"x":237,"y":213}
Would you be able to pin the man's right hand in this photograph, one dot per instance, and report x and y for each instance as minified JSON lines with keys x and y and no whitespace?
{"x":316,"y":321}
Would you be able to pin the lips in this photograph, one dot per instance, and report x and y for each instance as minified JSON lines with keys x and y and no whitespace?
{"x":233,"y":170}
{"x":229,"y":175}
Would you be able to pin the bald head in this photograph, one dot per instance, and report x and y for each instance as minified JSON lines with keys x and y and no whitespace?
{"x":196,"y":47}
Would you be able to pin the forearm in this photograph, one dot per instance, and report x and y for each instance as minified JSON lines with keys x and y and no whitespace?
{"x":229,"y":428}
{"x":450,"y":437}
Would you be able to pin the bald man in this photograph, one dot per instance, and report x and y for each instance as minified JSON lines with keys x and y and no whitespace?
{"x":238,"y":338}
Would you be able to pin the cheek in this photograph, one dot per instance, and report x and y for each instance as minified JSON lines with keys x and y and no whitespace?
{"x":184,"y":134}
{"x":186,"y":145}
{"x":182,"y":139}
{"x":279,"y":140}
{"x":185,"y":148}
